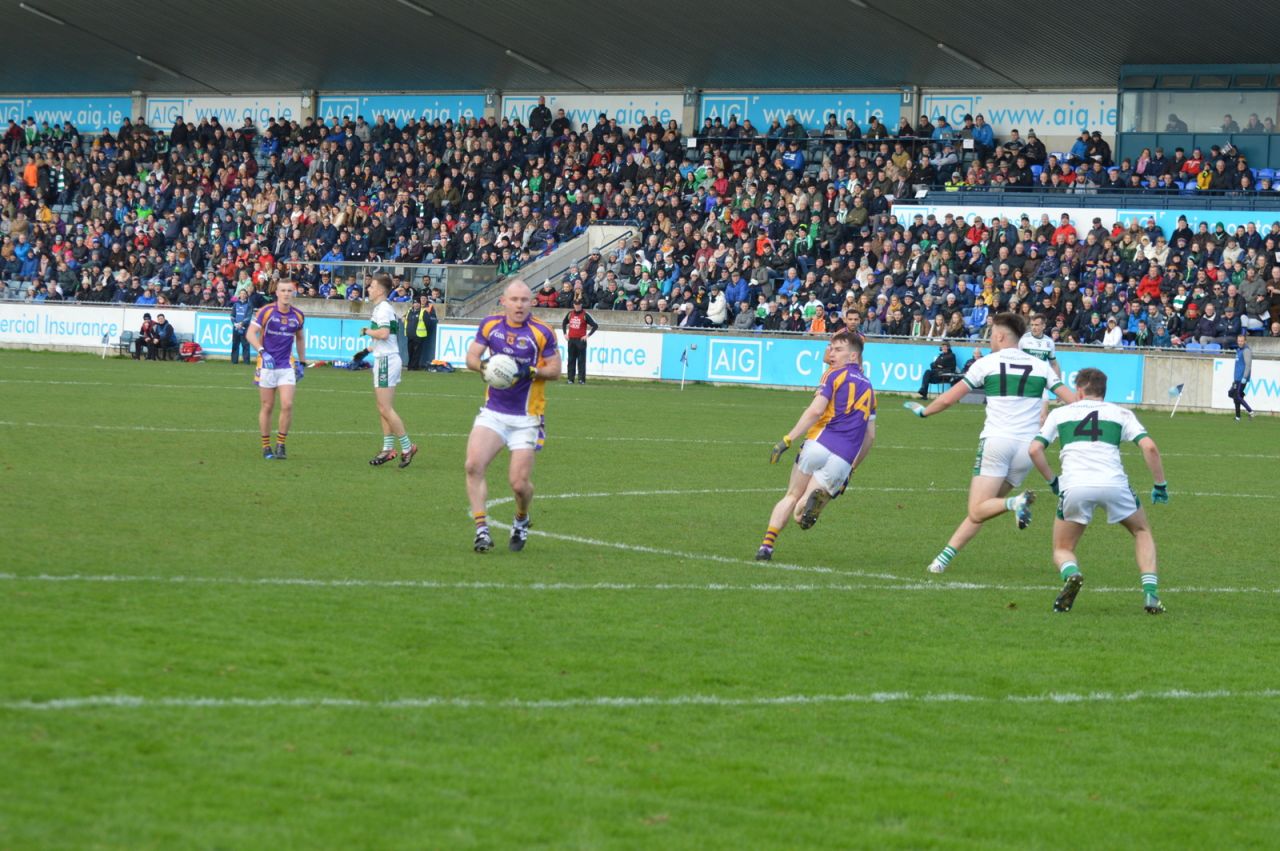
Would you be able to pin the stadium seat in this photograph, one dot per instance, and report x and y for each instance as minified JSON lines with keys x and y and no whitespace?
{"x":1266,"y":174}
{"x":1035,"y":171}
{"x":125,"y":344}
{"x":1194,"y":347}
{"x":1213,"y":347}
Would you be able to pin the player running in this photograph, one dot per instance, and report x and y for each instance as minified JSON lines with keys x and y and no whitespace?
{"x":512,"y":417}
{"x":275,"y":330}
{"x":1093,"y":476}
{"x":1039,"y":344}
{"x":1014,"y":381}
{"x":385,"y":348}
{"x":840,"y":427}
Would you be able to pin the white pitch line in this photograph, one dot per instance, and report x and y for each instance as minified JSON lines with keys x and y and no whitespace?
{"x":902,"y":584}
{"x":965,"y":450}
{"x":588,"y":438}
{"x":122,"y":701}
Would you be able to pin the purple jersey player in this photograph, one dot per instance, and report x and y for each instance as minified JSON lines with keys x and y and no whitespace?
{"x":839,"y":426}
{"x":511,"y":417}
{"x":274,"y":331}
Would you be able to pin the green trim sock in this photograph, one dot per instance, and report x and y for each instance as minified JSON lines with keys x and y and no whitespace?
{"x":944,"y":558}
{"x":1068,"y":570}
{"x":1149,"y":583}
{"x":388,"y":443}
{"x":405,"y":443}
{"x":522,"y":520}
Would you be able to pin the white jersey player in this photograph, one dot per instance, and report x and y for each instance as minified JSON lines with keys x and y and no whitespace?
{"x":1014,"y":382}
{"x":1091,"y":431}
{"x":1039,"y":344}
{"x":385,"y":348}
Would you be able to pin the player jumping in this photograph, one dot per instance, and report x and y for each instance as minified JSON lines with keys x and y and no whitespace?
{"x":840,"y":427}
{"x":386,"y":373}
{"x":1014,"y":381}
{"x":512,"y":417}
{"x":1093,"y":476}
{"x":275,"y":330}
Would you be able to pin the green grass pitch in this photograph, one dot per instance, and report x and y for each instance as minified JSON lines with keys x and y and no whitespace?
{"x":307,"y":654}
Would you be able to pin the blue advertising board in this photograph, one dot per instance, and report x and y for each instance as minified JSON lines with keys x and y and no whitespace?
{"x":328,"y":338}
{"x":428,"y":107}
{"x":893,"y":367}
{"x":810,"y":108}
{"x":89,"y":115}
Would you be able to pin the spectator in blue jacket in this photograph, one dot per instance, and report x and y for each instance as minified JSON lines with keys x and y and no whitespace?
{"x":242,"y":310}
{"x":984,"y":138}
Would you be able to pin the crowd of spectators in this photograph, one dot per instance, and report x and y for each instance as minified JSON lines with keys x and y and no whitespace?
{"x":743,"y":232}
{"x":197,"y":212}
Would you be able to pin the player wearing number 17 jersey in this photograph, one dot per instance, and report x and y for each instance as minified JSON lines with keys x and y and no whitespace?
{"x":1013,"y":382}
{"x":1093,"y":477}
{"x":839,"y":426}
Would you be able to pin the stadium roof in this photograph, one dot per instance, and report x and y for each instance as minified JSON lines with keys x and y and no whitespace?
{"x":241,"y":46}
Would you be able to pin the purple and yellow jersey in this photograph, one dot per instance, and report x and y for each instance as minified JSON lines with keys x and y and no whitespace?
{"x":851,"y":404}
{"x":530,"y":343}
{"x":278,"y":330}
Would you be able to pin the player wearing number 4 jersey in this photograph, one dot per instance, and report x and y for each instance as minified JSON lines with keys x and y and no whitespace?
{"x":1014,"y":382}
{"x":840,"y":428}
{"x":1093,"y":477}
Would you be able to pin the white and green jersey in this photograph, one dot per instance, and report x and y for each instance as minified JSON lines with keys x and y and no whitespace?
{"x":1014,"y":381}
{"x":384,"y":316}
{"x":1091,"y":432}
{"x":1040,"y":347}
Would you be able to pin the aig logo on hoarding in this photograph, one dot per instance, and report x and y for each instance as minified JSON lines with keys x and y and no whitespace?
{"x":954,"y":109}
{"x":163,"y":111}
{"x":735,"y":360}
{"x":518,"y":108}
{"x":342,"y":108}
{"x":11,"y":110}
{"x":724,"y":107}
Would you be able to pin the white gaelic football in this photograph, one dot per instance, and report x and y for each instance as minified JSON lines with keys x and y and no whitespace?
{"x":501,"y":372}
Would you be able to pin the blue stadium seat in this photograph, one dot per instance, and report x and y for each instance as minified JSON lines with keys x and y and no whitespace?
{"x":1035,"y":171}
{"x":1127,"y":344}
{"x":1188,"y":188}
{"x":1266,"y":174}
{"x":1213,"y":347}
{"x":1194,"y":347}
{"x":1060,"y":155}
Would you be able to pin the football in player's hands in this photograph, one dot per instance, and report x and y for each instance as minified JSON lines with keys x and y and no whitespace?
{"x":501,"y":371}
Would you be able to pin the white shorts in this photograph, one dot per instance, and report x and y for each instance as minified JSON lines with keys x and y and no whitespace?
{"x":517,"y":431}
{"x":1077,"y":504}
{"x":273,"y":378}
{"x":1003,"y":458}
{"x":386,"y":370}
{"x":828,"y":469}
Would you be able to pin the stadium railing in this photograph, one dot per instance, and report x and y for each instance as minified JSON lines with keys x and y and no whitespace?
{"x":456,"y":282}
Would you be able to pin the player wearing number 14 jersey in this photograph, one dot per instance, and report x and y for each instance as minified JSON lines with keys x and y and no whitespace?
{"x":839,"y":426}
{"x":1013,"y":382}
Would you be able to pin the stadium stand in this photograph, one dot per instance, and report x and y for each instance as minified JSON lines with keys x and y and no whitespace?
{"x":783,"y":229}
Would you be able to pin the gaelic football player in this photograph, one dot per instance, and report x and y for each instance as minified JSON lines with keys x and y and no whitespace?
{"x":1093,"y":477}
{"x":385,"y":349}
{"x":275,"y":331}
{"x":1014,"y":381}
{"x":510,"y":417}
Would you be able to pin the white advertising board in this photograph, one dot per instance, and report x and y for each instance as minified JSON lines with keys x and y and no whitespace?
{"x":1262,"y":392}
{"x":80,"y":326}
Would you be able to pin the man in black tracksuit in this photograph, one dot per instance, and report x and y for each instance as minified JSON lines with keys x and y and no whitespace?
{"x":578,"y":326}
{"x":943,"y":366}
